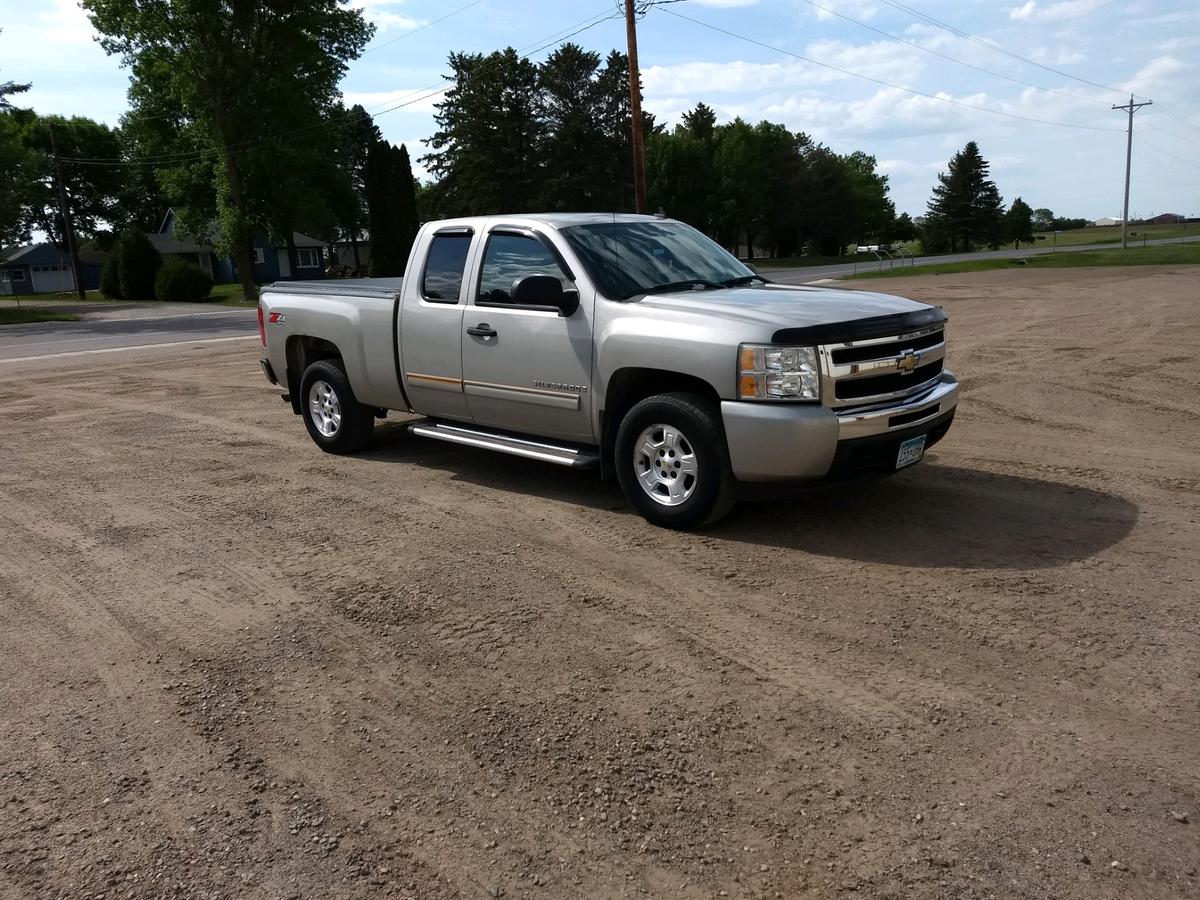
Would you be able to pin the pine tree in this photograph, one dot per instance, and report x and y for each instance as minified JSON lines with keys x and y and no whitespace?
{"x":487,"y":147}
{"x":407,"y":221}
{"x":1018,"y":224}
{"x":966,"y":206}
{"x":573,"y":139}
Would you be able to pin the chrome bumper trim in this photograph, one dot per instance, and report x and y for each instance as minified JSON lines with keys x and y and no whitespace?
{"x":867,"y":421}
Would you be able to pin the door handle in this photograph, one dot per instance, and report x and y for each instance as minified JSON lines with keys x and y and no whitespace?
{"x":483,"y":330}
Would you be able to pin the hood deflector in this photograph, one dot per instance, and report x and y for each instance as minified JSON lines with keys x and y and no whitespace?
{"x":862,"y":329}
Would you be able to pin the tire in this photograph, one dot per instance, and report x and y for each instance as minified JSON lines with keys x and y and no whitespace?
{"x":673,"y":463}
{"x":335,"y":420}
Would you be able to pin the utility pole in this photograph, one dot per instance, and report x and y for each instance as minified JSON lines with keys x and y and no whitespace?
{"x":1131,"y":107}
{"x":635,"y":106}
{"x":65,"y":209}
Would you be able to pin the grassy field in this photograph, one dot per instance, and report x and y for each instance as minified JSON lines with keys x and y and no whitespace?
{"x":1111,"y":234}
{"x":10,"y":315}
{"x":1162,"y":255}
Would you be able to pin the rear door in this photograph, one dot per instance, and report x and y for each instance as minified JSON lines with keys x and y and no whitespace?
{"x":431,"y":323}
{"x":526,"y":369}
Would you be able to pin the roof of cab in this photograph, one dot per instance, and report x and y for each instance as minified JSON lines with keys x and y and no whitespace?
{"x":553,"y":220}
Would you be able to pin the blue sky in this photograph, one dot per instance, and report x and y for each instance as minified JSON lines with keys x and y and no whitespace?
{"x":1149,"y":47}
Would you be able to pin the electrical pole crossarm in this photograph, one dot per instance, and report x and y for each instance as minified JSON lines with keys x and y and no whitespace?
{"x":1131,"y":108}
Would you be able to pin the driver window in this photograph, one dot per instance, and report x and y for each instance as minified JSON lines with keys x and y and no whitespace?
{"x":509,"y":257}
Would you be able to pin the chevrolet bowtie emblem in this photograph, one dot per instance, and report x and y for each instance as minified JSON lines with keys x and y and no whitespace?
{"x":908,"y":361}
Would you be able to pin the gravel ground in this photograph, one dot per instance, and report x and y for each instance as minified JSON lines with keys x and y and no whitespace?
{"x":231,"y":666}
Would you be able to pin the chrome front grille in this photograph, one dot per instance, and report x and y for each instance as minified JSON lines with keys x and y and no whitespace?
{"x":880,"y":370}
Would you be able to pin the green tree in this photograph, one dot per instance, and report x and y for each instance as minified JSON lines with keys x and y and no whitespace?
{"x":740,"y":173}
{"x":701,"y":122}
{"x":1018,"y":224}
{"x":247,"y":73}
{"x":573,"y":140}
{"x":615,"y":119}
{"x":1043,"y":219}
{"x":391,"y":206}
{"x":677,"y":177}
{"x":966,"y":206}
{"x":355,"y":132}
{"x":29,"y":199}
{"x":903,"y":228}
{"x":137,"y":265}
{"x":873,"y":209}
{"x":487,"y":150}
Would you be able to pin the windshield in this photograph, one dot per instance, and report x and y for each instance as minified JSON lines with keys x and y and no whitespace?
{"x":625,"y":259}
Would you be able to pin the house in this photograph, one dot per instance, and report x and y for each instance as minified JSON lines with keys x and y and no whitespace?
{"x":343,"y":252}
{"x":1165,"y":219}
{"x":44,"y":269}
{"x":271,"y":262}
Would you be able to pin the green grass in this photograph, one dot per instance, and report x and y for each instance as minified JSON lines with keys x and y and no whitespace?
{"x":10,"y":315}
{"x":1163,"y":255}
{"x":1111,"y":234}
{"x":228,"y":295}
{"x":799,"y":262}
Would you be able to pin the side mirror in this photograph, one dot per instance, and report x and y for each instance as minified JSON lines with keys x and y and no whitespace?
{"x":547,"y":291}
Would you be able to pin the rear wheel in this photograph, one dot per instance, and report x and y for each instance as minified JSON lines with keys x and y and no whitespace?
{"x":335,"y":420}
{"x":672,"y":461}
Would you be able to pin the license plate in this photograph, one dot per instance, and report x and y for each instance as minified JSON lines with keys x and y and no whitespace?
{"x":911,"y":452}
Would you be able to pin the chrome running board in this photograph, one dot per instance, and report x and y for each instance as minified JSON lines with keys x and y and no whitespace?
{"x":563,"y":455}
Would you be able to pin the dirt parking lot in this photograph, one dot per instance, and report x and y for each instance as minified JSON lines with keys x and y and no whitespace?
{"x":231,"y":666}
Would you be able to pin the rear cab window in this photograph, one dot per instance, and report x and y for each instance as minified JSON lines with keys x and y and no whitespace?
{"x":445,"y":264}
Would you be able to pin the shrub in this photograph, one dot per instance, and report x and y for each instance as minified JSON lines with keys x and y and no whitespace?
{"x":110,"y":278}
{"x":179,"y":280}
{"x":138,"y":264}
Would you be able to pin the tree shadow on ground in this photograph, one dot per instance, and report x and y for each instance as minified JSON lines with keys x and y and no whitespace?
{"x":932,"y":516}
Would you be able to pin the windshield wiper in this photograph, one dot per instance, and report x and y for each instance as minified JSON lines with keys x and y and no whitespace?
{"x":669,"y":286}
{"x":743,"y":279}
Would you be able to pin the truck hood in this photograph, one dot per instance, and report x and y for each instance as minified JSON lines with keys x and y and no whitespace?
{"x":781,"y":306}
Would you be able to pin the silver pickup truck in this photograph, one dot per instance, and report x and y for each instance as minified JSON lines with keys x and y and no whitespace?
{"x":633,"y":344}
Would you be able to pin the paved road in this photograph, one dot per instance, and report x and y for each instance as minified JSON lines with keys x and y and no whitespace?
{"x":110,"y":332}
{"x":866,"y":264}
{"x":111,"y":328}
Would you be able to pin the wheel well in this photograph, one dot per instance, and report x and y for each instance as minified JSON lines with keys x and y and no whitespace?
{"x":628,"y":387}
{"x":302,"y":351}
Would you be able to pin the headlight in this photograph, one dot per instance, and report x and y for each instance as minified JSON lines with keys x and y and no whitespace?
{"x":768,"y":372}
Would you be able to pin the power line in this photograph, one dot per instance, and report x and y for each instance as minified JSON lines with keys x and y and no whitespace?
{"x":1186,"y":162}
{"x":887,"y":84}
{"x":424,"y":94}
{"x":961,"y":62}
{"x":413,"y":31}
{"x":945,"y":26}
{"x":1169,"y":115}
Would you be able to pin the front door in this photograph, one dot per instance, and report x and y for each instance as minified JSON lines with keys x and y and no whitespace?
{"x":526,"y":369}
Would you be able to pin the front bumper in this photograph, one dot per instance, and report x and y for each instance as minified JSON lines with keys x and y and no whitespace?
{"x":796,"y":442}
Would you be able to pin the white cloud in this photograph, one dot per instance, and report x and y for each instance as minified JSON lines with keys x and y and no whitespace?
{"x":67,"y":23}
{"x":376,"y":11}
{"x":1059,"y":56}
{"x":883,"y":60}
{"x":1154,"y":73}
{"x":1032,"y":11}
{"x":854,"y":9}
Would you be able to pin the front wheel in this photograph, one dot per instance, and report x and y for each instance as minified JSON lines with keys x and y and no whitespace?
{"x":673,"y":463}
{"x":335,"y":420}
